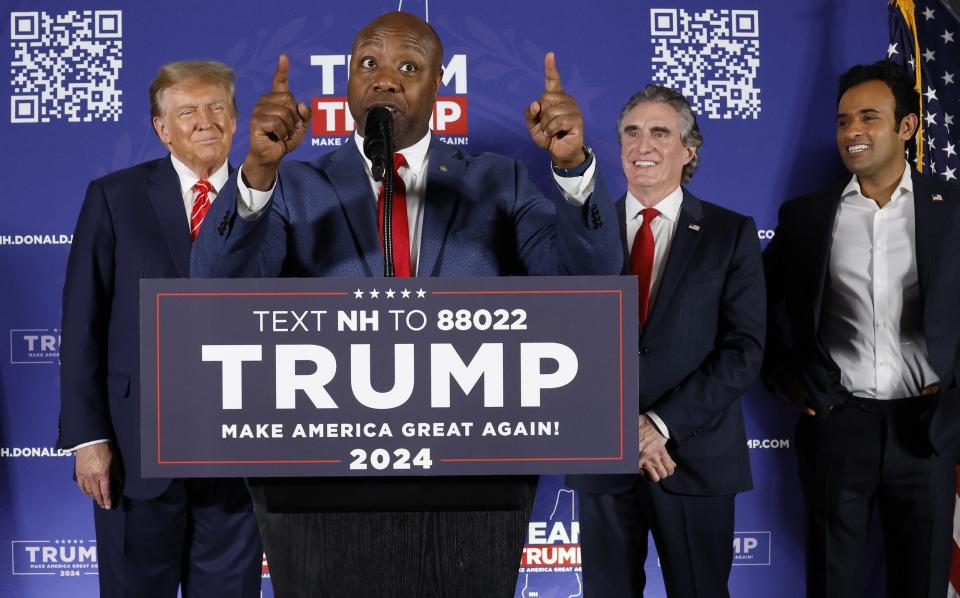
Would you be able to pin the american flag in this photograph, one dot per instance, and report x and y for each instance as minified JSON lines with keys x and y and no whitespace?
{"x":926,"y":35}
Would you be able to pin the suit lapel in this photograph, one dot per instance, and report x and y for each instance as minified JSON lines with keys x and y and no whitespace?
{"x":444,"y":172}
{"x":823,"y":215}
{"x":166,"y":198}
{"x":929,"y":223}
{"x":685,"y":240}
{"x":349,"y":178}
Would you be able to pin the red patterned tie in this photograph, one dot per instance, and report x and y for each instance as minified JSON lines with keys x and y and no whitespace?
{"x":641,"y":261}
{"x":400,"y":231}
{"x":201,"y":203}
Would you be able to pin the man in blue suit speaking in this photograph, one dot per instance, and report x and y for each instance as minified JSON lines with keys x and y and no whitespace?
{"x":153,"y":535}
{"x":453,"y":214}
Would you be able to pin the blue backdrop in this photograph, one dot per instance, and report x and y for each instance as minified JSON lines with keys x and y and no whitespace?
{"x":762,"y":76}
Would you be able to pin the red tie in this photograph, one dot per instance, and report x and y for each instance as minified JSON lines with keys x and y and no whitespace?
{"x":201,"y":203}
{"x":641,"y":261}
{"x":398,"y":237}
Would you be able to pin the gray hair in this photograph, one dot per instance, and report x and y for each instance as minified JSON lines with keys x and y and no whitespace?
{"x":689,"y":129}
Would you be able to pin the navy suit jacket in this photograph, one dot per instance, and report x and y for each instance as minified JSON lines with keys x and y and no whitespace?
{"x":797,"y":268}
{"x":700,"y":350}
{"x":482,"y":217}
{"x":132,"y":225}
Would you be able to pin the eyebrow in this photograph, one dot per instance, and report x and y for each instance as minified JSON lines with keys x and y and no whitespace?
{"x":861,"y":111}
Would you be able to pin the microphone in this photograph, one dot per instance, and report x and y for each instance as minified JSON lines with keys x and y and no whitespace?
{"x":378,"y":140}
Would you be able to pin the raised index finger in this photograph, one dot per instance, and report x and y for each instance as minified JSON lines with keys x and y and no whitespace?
{"x":551,"y":74}
{"x":281,"y":75}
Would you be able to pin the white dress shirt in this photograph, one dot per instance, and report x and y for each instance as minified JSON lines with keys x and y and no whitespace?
{"x":872,"y":316}
{"x":663,"y":228}
{"x":252,"y":202}
{"x":187,"y":180}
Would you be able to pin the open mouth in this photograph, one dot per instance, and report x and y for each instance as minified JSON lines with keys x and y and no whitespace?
{"x":644,"y":163}
{"x":857,"y":149}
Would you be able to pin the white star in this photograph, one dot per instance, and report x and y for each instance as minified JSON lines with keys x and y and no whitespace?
{"x":928,"y":54}
{"x":358,"y":294}
{"x":910,"y":62}
{"x":931,"y":118}
{"x":374,"y":294}
{"x":950,"y":149}
{"x":947,"y":119}
{"x":891,"y":50}
{"x":949,"y":174}
{"x":421,"y":294}
{"x":933,"y":167}
{"x":947,"y":78}
{"x":931,"y":94}
{"x":405,"y":294}
{"x":930,"y":144}
{"x":928,"y":14}
{"x":947,"y":36}
{"x":390,"y":293}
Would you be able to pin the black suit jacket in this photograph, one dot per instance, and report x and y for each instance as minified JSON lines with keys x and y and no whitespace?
{"x":702,"y":347}
{"x":797,"y":268}
{"x":132,"y":225}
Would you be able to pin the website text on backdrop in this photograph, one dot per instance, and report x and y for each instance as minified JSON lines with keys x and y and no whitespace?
{"x":153,"y":535}
{"x":465,"y":216}
{"x":701,"y":345}
{"x":863,"y":337}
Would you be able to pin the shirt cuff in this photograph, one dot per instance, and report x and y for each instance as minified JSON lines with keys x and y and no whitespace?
{"x":577,"y":189}
{"x":661,"y":426}
{"x":250,"y":202}
{"x":80,"y":446}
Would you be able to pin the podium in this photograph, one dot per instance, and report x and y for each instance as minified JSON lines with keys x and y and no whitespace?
{"x":399,"y":537}
{"x":392,"y":441}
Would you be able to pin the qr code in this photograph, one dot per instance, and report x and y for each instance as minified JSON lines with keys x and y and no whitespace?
{"x":711,"y":57}
{"x":66,"y":66}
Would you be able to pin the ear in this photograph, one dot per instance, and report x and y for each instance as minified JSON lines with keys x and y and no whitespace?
{"x":161,"y":130}
{"x":691,"y":152}
{"x":437,"y":81}
{"x":908,"y":127}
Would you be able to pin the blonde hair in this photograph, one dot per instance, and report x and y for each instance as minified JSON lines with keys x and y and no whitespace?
{"x":203,"y":70}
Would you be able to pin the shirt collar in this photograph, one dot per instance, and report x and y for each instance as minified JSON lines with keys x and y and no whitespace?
{"x":415,"y":155}
{"x":669,"y":206}
{"x":188,"y":179}
{"x":904,"y":187}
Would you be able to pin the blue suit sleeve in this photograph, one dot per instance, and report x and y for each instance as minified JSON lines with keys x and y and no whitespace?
{"x":87,"y":298}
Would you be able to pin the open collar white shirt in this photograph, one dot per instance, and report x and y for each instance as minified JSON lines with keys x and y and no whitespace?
{"x":872,"y":320}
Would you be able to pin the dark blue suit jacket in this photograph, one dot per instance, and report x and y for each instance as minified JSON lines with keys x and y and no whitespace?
{"x":482,"y":217}
{"x":700,"y":350}
{"x":797,"y":268}
{"x":132,"y":225}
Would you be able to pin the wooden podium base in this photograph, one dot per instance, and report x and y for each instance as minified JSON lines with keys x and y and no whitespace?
{"x":402,"y":537}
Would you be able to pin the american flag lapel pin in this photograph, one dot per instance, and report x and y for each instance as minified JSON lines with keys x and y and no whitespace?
{"x":694,"y":227}
{"x":936,"y":197}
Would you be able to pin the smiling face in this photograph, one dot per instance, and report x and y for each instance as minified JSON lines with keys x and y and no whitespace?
{"x":870,"y":140}
{"x":196,"y":123}
{"x":652,"y":151}
{"x":396,"y":63}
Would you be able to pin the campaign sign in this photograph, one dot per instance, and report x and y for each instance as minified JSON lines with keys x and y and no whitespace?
{"x":377,"y":376}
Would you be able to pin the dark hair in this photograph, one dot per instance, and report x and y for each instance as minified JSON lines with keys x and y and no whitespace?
{"x":906,"y":98}
{"x":689,"y":129}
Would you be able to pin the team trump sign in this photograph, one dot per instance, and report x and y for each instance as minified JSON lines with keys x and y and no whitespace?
{"x":365,"y":376}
